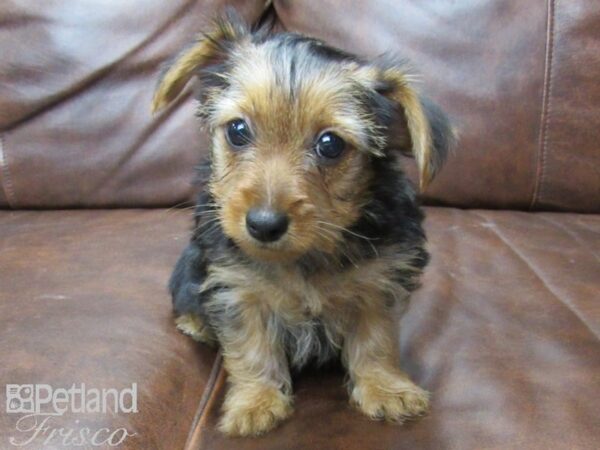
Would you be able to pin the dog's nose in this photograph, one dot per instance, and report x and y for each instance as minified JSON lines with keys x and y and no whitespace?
{"x":265,"y":224}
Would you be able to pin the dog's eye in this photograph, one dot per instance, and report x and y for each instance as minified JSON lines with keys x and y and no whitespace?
{"x":238,"y":133}
{"x":330,"y":145}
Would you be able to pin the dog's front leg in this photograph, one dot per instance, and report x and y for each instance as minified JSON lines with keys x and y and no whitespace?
{"x":259,"y":395}
{"x":379,"y":388}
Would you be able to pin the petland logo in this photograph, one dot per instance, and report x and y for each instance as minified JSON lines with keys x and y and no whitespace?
{"x":40,"y":404}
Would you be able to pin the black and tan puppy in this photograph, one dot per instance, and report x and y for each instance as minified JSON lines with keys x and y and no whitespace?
{"x":307,"y":232}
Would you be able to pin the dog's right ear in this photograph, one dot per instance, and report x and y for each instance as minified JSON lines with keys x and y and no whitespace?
{"x":209,"y":48}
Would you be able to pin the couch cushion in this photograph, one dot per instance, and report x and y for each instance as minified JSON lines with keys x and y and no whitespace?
{"x":83,"y":299}
{"x":76,"y":80}
{"x":519,"y":80}
{"x":505,"y":333}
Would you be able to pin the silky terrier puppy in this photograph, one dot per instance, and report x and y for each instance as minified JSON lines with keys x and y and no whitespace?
{"x":307,"y":230}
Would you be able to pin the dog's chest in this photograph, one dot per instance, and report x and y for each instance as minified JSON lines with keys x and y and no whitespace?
{"x":309,"y":341}
{"x":301,"y":297}
{"x":301,"y":316}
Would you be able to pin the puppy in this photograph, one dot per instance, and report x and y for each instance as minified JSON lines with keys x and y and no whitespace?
{"x":307,"y":231}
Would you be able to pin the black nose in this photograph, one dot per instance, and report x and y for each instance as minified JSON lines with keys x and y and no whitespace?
{"x":265,"y":224}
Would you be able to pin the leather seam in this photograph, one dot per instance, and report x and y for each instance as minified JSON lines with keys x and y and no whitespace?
{"x":546,"y":107}
{"x":7,"y":184}
{"x":205,"y":402}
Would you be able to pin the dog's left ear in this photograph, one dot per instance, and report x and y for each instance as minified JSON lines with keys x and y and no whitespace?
{"x":428,"y":128}
{"x":210,"y":48}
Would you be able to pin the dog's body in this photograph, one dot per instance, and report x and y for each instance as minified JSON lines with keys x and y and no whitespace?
{"x":310,"y":303}
{"x":307,"y":233}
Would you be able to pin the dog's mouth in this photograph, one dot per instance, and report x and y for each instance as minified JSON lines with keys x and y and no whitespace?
{"x":269,"y":236}
{"x":279,"y":251}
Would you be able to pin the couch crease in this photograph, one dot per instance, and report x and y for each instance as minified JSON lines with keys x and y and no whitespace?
{"x":538,"y":275}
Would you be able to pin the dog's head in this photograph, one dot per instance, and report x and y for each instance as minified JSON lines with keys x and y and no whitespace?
{"x":295,"y":126}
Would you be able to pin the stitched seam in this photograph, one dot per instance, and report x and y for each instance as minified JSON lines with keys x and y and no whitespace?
{"x":7,"y":184}
{"x":546,"y":106}
{"x":205,"y":400}
{"x":569,"y":307}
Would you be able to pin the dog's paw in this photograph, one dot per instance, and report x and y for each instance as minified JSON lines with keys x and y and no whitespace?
{"x":394,"y":400}
{"x":252,"y":411}
{"x":193,"y":326}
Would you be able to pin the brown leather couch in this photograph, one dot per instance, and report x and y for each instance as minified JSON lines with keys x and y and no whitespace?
{"x":505,"y":330}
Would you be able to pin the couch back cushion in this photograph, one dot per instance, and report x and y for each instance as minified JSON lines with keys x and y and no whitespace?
{"x":76,"y":81}
{"x":518,"y":79}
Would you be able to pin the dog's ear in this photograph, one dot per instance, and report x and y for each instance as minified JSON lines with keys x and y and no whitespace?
{"x":210,"y":48}
{"x":429,"y":132}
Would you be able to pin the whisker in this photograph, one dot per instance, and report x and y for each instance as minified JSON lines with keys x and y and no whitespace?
{"x":180,"y":204}
{"x":207,"y":212}
{"x":328,"y":238}
{"x":177,"y":207}
{"x":206,"y":223}
{"x":347,"y":230}
{"x":345,"y":250}
{"x":360,"y":236}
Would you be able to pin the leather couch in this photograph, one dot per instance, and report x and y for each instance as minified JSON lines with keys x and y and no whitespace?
{"x":505,"y":330}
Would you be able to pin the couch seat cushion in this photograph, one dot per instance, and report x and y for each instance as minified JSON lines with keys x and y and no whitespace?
{"x":504,"y":333}
{"x":83,"y":299}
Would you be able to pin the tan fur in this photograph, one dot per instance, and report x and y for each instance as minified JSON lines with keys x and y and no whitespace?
{"x":251,"y":410}
{"x":260,"y":383}
{"x":194,"y":326}
{"x":313,"y":200}
{"x":288,"y":293}
{"x":417,"y":123}
{"x":322,"y":201}
{"x":352,"y":307}
{"x":179,"y":74}
{"x":274,"y":172}
{"x":381,"y":390}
